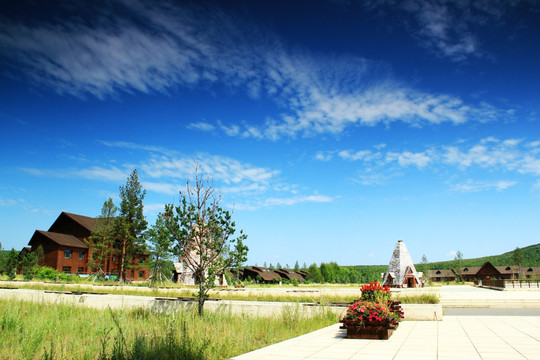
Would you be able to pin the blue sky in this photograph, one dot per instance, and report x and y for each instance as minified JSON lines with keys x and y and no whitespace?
{"x":332,"y":128}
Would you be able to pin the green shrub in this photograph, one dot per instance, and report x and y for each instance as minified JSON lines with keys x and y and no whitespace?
{"x":46,"y":273}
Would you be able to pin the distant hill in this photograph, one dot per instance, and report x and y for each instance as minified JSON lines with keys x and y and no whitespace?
{"x":531,"y":257}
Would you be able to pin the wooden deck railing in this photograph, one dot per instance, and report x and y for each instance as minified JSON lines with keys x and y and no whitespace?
{"x":512,"y":284}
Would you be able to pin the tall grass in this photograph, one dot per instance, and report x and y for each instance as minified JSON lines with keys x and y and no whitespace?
{"x":428,"y":298}
{"x":36,"y":331}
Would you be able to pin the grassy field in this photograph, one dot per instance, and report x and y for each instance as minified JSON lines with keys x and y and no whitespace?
{"x":325,"y":294}
{"x":38,"y":331}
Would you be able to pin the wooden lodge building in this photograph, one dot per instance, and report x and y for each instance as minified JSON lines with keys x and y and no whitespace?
{"x":486,"y":272}
{"x":65,"y":248}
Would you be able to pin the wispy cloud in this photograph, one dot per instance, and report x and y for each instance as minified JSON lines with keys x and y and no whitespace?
{"x":112,"y":173}
{"x":407,"y":158}
{"x":8,"y":202}
{"x":516,"y":156}
{"x":290,"y":201}
{"x":316,"y":93}
{"x":448,"y":28}
{"x":165,"y":171}
{"x":366,"y":155}
{"x":477,"y":186}
{"x":202,"y":126}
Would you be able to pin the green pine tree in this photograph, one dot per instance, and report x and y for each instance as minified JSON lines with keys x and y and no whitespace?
{"x":102,"y":238}
{"x":131,"y":223}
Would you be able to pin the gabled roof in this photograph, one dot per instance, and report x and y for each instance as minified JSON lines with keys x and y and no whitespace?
{"x":508,"y":269}
{"x":470,"y":270}
{"x":441,"y":274}
{"x":527,"y":270}
{"x":76,"y":225}
{"x":60,"y":239}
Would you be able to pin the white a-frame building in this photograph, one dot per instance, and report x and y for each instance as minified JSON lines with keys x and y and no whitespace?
{"x":401,"y":271}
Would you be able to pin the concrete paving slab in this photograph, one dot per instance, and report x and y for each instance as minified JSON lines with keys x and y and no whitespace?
{"x":455,"y":337}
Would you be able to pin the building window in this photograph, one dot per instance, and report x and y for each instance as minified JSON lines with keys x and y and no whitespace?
{"x":80,"y":270}
{"x":81,"y":255}
{"x":114,"y":258}
{"x":66,"y":269}
{"x":132,"y":273}
{"x":141,"y":274}
{"x":141,"y":260}
{"x":67,"y":254}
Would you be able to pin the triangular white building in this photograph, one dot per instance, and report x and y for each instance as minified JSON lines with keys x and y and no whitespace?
{"x":401,"y":271}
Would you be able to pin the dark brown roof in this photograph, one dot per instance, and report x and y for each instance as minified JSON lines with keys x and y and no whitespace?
{"x":264,"y":273}
{"x":470,"y":270}
{"x":527,"y":270}
{"x":441,"y":274}
{"x":507,"y":269}
{"x":77,"y":225}
{"x":60,"y":239}
{"x":86,"y":221}
{"x":289,"y":275}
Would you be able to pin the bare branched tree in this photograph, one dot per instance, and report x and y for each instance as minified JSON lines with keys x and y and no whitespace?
{"x":204,"y":234}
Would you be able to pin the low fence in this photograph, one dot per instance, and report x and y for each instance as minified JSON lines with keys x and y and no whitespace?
{"x":511,"y":284}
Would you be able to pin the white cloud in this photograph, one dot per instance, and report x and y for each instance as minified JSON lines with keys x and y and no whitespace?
{"x":490,"y":153}
{"x":7,"y":202}
{"x":407,"y":158}
{"x":365,"y":155}
{"x":113,"y":58}
{"x":323,"y":156}
{"x":530,"y":165}
{"x":272,"y":202}
{"x":447,"y":28}
{"x":153,"y":208}
{"x":202,"y":126}
{"x":477,"y":186}
{"x":164,"y":171}
{"x":163,"y":188}
{"x":94,"y":173}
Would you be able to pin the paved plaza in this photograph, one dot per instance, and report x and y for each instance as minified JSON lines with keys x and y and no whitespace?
{"x":455,"y":337}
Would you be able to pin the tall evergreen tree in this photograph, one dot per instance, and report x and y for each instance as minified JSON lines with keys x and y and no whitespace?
{"x":102,"y":238}
{"x":12,"y":263}
{"x":40,"y":254}
{"x":131,"y":223}
{"x":160,"y":241}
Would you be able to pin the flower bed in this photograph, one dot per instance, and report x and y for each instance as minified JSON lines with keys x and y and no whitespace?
{"x":374,"y":316}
